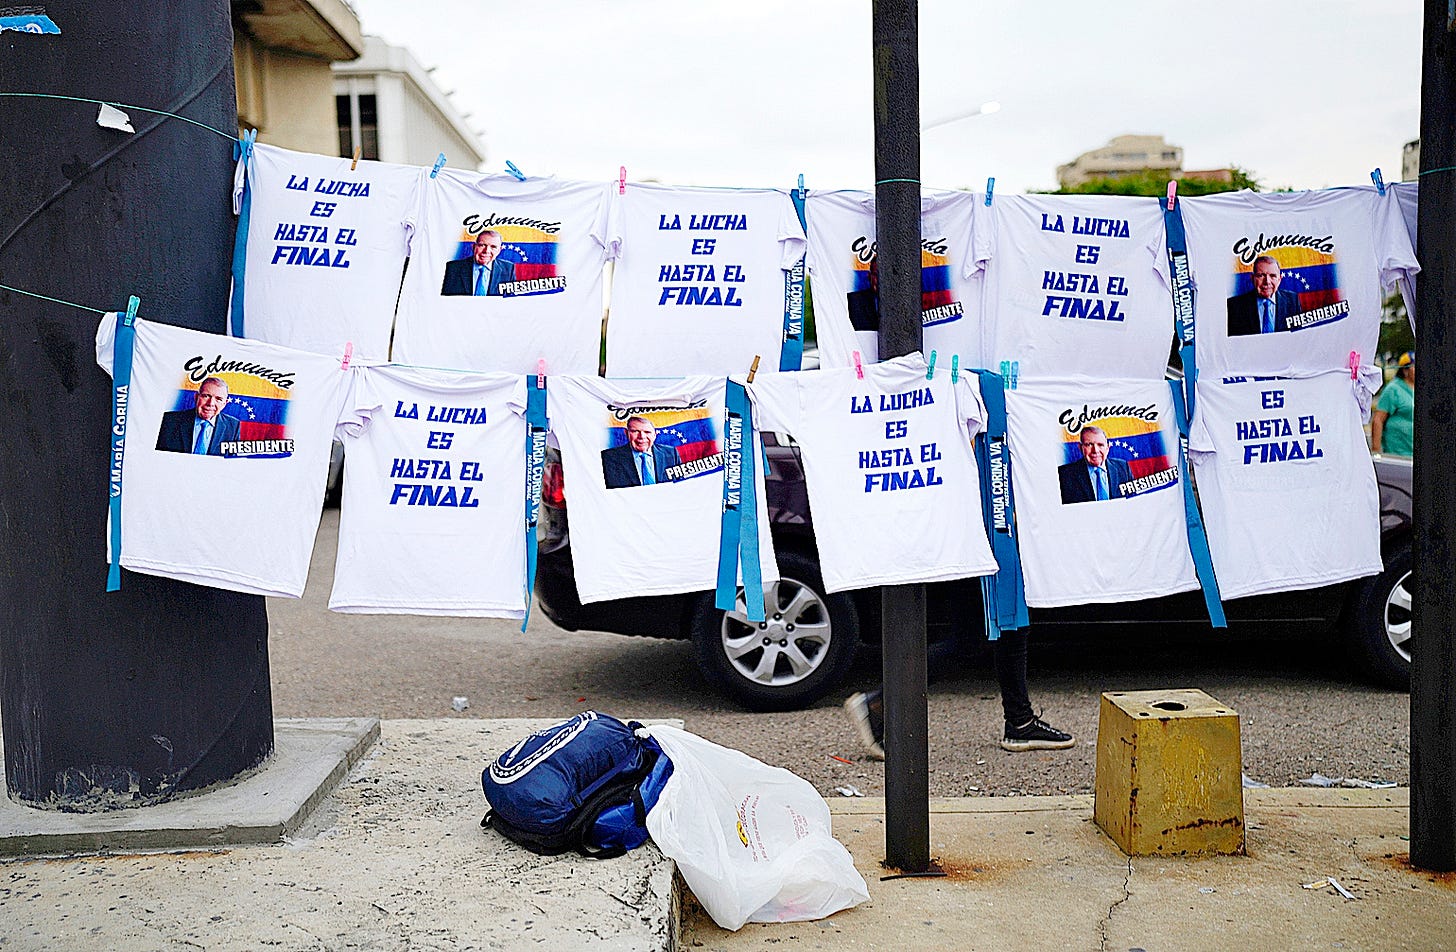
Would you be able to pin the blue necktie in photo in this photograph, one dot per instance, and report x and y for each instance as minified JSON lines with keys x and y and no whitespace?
{"x":1101,"y":482}
{"x":648,"y":478}
{"x":1266,"y":315}
{"x":200,"y":447}
{"x":481,"y":274}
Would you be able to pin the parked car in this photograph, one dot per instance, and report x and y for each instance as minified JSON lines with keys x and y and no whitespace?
{"x":808,"y":643}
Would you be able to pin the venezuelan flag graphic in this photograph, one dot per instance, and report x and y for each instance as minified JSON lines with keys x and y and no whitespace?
{"x":1137,"y":442}
{"x":533,"y":252}
{"x":692,"y":432}
{"x":1311,"y":274}
{"x":260,"y":407}
{"x":937,"y":297}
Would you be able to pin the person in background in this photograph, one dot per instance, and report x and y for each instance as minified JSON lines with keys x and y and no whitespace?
{"x":1392,"y":424}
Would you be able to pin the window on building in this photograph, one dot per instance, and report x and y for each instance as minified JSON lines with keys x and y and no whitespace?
{"x":358,"y":124}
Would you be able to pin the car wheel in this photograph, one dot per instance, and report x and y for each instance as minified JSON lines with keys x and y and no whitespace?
{"x":801,"y":652}
{"x":1380,"y":622}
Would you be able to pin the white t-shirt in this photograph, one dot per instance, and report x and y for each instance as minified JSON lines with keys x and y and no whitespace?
{"x":1284,"y":475}
{"x":539,"y":296}
{"x":325,"y":250}
{"x":1336,"y":251}
{"x":1076,"y":284}
{"x":243,"y":514}
{"x":1407,"y":195}
{"x":434,"y":503}
{"x":698,"y":286}
{"x":843,"y":271}
{"x":889,"y":468}
{"x":1078,"y":545}
{"x":657,"y":535}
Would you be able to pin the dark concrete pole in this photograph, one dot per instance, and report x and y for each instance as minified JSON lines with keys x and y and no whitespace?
{"x":111,"y":699}
{"x":1433,"y":653}
{"x":897,"y":225}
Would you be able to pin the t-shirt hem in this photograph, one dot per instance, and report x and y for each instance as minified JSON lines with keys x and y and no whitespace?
{"x":215,"y":578}
{"x":1104,"y":598}
{"x":1299,"y":584}
{"x":912,"y":578}
{"x":454,"y":611}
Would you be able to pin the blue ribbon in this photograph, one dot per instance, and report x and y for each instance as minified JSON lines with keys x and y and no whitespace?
{"x":1183,"y":297}
{"x":1003,"y":594}
{"x":791,"y":354}
{"x":536,"y":426}
{"x":243,"y":151}
{"x":1197,"y":537}
{"x":738,"y":539}
{"x":122,"y":347}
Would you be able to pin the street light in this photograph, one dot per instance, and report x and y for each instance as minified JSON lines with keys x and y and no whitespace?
{"x":984,"y":109}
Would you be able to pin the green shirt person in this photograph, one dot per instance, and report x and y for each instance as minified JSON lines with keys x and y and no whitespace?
{"x":1392,"y":425}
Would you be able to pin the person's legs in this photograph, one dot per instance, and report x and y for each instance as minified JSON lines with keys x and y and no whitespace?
{"x":1024,"y":730}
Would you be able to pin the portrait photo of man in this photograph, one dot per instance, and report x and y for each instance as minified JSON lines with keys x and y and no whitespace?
{"x":1266,"y":309}
{"x":480,"y":273}
{"x":204,"y":428}
{"x":640,"y":462}
{"x":1096,"y":475}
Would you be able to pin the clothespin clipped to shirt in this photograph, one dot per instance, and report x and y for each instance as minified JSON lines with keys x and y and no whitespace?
{"x":511,"y":168}
{"x":803,"y":192}
{"x":622,"y":180}
{"x":1354,"y":365}
{"x":132,"y":303}
{"x":354,"y":166}
{"x":955,"y":368}
{"x":348,"y":355}
{"x":753,"y":369}
{"x":243,"y":148}
{"x":1378,"y":180}
{"x":930,"y":370}
{"x":1172,"y":193}
{"x":858,"y":367}
{"x":439,"y":164}
{"x":990,"y":189}
{"x":541,"y":374}
{"x":1010,"y":369}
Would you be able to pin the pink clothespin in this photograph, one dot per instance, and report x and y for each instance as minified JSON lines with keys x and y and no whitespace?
{"x":1172,"y":193}
{"x":1354,"y":365}
{"x":348,"y":355}
{"x":622,"y":180}
{"x":858,"y":367}
{"x":541,"y":374}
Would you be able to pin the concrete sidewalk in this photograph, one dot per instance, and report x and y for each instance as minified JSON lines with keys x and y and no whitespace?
{"x":394,"y":859}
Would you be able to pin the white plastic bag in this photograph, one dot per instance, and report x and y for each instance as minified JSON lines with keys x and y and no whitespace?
{"x":753,"y":842}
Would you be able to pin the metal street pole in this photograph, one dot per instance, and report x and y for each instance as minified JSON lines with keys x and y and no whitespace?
{"x":117,"y":699}
{"x":1433,"y":653}
{"x":897,"y":225}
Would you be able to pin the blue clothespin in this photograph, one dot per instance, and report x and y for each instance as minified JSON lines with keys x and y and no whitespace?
{"x":511,"y":168}
{"x":955,"y":368}
{"x":802,"y":191}
{"x":439,"y":164}
{"x":243,"y":148}
{"x":132,"y":304}
{"x":1379,"y":182}
{"x":930,"y":371}
{"x":1015,"y":372}
{"x":990,"y":189}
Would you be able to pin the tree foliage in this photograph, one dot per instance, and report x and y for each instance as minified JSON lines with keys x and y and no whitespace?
{"x":1155,"y":182}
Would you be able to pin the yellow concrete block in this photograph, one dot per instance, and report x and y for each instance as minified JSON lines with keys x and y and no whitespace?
{"x":1169,"y":773}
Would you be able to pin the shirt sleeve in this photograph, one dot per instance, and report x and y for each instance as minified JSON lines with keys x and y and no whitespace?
{"x":970,"y":410}
{"x":106,"y":341}
{"x":1393,"y":251}
{"x":792,"y":242}
{"x":362,"y":400}
{"x":776,"y":401}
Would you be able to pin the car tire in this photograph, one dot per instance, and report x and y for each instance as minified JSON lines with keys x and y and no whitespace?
{"x":1379,"y":623}
{"x":801,"y":652}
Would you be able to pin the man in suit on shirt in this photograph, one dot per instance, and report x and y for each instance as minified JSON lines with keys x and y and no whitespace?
{"x":1096,"y":475}
{"x":1266,"y":309}
{"x":203,"y":429}
{"x":482,"y":272}
{"x":640,"y":462}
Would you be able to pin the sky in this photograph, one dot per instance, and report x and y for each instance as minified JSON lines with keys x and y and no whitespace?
{"x":1301,"y":93}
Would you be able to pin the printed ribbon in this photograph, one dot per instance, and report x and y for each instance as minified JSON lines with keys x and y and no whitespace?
{"x":243,"y":152}
{"x":738,"y":540}
{"x":791,"y":353}
{"x":536,"y":426}
{"x":122,"y":346}
{"x":1183,"y":296}
{"x":1197,"y":538}
{"x":1003,"y":595}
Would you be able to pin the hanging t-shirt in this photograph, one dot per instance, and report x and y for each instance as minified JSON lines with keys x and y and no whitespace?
{"x":1291,"y":282}
{"x":1099,"y":508}
{"x":226,"y":456}
{"x":699,"y":284}
{"x":889,"y":468}
{"x":504,"y":273}
{"x":325,"y":250}
{"x":434,"y":503}
{"x":1407,"y":195}
{"x":643,"y":465}
{"x":1075,"y":282}
{"x":845,"y":277}
{"x":1286,"y":483}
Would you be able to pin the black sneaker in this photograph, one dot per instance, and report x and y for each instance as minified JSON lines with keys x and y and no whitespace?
{"x":1036,"y":734}
{"x":867,"y":713}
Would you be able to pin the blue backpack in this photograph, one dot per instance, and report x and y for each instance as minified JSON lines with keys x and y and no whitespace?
{"x":585,"y":784}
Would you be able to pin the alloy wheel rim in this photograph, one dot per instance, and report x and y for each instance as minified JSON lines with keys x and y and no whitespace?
{"x":789,"y":645}
{"x":1398,"y":617}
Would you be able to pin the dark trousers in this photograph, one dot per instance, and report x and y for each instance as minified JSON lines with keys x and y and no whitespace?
{"x":1009,"y":652}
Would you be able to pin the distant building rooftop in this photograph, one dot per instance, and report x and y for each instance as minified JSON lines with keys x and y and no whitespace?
{"x":1130,"y":155}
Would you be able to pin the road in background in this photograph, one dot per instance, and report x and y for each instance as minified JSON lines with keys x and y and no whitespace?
{"x":1301,"y":711}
